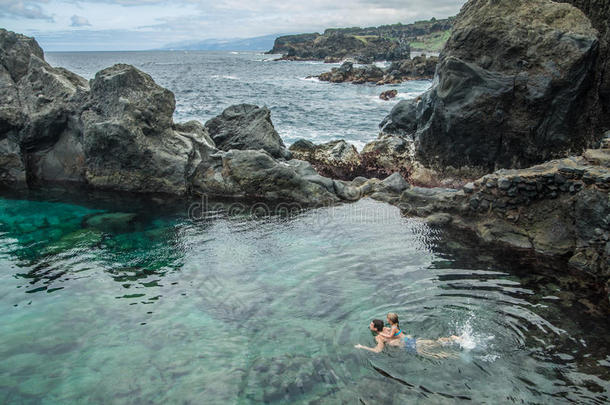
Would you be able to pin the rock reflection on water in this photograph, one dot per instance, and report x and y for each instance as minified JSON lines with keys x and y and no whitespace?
{"x":127,"y":301}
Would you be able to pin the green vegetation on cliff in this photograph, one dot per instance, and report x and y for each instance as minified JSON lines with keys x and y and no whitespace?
{"x":386,"y":42}
{"x":433,"y":42}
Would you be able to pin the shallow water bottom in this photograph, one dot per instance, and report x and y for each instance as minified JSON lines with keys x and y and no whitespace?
{"x":121,"y":301}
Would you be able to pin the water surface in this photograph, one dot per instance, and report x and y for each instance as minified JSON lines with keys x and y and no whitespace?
{"x":106,"y":300}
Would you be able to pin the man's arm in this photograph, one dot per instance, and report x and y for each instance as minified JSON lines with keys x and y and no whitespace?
{"x":376,"y":349}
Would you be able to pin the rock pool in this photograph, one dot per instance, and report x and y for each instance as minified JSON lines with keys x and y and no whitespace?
{"x":117,"y":300}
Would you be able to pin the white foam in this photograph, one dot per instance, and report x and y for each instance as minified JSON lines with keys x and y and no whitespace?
{"x":469,"y":339}
{"x":229,"y":77}
{"x":409,"y":95}
{"x":382,"y":64}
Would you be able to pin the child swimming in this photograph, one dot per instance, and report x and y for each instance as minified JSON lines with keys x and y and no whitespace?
{"x":394,"y":333}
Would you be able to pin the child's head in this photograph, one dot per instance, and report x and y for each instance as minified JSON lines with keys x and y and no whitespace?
{"x":393,"y":318}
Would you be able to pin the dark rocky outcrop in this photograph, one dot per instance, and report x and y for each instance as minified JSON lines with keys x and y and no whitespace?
{"x":336,"y":46}
{"x":510,"y":88}
{"x":388,"y":94}
{"x":246,"y":126}
{"x":598,"y":99}
{"x":255,"y":174}
{"x":380,"y":158}
{"x":128,"y":138}
{"x":418,"y":68}
{"x":116,"y":132}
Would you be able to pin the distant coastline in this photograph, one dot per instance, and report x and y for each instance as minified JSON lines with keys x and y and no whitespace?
{"x":423,"y":36}
{"x":366,"y":45}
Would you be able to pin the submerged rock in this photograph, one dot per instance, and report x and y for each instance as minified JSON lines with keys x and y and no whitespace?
{"x":113,"y":222}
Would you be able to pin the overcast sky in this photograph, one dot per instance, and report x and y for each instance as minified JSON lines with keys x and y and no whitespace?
{"x":147,"y":24}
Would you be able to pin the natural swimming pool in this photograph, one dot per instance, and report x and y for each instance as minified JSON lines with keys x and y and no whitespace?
{"x":111,"y":300}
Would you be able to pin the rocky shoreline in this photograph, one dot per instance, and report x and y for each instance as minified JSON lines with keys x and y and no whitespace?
{"x":418,"y":68}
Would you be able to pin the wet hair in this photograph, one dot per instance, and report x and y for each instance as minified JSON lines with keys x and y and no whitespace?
{"x":393,"y":318}
{"x":378,"y":324}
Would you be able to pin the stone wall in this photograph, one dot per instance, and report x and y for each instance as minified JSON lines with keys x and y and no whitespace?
{"x":504,"y":190}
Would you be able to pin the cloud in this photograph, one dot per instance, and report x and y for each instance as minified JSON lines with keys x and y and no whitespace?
{"x":243,"y":18}
{"x":78,"y":21}
{"x":23,"y":9}
{"x":197,"y":20}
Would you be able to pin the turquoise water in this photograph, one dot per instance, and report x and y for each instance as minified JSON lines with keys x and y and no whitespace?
{"x":116,"y":300}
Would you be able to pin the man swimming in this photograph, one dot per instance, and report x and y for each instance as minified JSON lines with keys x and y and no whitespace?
{"x":424,"y":347}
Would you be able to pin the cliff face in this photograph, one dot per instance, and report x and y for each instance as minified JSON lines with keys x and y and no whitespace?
{"x":513,"y":88}
{"x":337,"y":46}
{"x":387,"y":42}
{"x":598,"y":12}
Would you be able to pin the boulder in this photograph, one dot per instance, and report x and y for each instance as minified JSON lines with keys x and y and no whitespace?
{"x":508,"y":89}
{"x":246,"y":126}
{"x":15,"y":53}
{"x":38,"y":108}
{"x":256,"y":174}
{"x":51,"y":138}
{"x":402,"y":120}
{"x":388,"y":94}
{"x":129,"y":141}
{"x":336,"y":159}
{"x":388,"y":154}
{"x":396,"y":183}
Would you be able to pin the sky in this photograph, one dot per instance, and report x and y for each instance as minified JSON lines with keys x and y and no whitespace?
{"x":69,"y":25}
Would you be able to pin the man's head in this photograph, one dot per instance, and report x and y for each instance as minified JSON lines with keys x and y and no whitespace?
{"x":376,"y":325}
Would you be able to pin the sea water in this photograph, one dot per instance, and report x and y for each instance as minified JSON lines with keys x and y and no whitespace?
{"x":112,"y":300}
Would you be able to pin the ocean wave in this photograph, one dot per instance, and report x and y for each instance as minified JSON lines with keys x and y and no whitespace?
{"x":228,"y":77}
